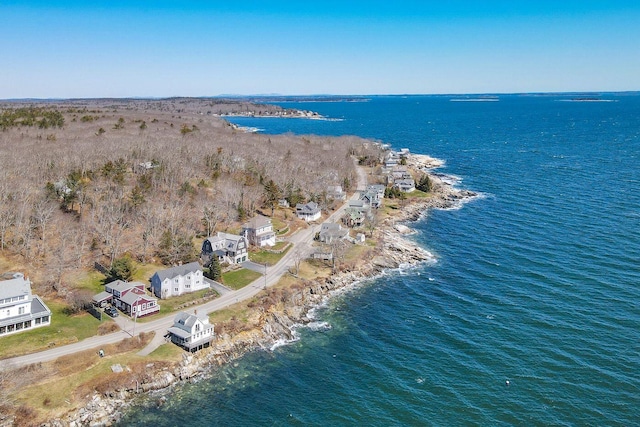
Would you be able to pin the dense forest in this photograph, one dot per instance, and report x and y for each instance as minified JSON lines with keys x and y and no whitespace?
{"x":85,"y":181}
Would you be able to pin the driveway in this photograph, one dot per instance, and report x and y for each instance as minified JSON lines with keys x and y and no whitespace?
{"x":254,"y":266}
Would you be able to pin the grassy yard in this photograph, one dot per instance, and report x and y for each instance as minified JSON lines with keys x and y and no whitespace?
{"x":238,"y":279}
{"x":172,"y":304}
{"x":269,"y":257}
{"x":144,"y":272}
{"x":64,"y":329}
{"x":93,"y":281}
{"x":59,"y":384}
{"x":417,"y":194}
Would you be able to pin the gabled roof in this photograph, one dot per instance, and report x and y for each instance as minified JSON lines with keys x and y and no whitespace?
{"x":309,"y":208}
{"x":102,"y":296}
{"x":258,"y":221}
{"x":132,"y":297}
{"x":15,"y":287}
{"x":120,"y":286}
{"x":180,"y":270}
{"x":333,"y":229}
{"x":185,"y":321}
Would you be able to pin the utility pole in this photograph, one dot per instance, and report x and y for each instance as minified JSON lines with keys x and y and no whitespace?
{"x":135,"y":316}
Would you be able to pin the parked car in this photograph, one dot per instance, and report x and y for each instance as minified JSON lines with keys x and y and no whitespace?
{"x":111,"y":311}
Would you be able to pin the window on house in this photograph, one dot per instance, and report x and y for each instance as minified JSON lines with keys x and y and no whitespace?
{"x":20,"y":310}
{"x":175,"y":289}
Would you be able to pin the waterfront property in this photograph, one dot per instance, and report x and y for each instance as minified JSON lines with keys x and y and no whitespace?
{"x":371,"y":198}
{"x":191,"y":331}
{"x":178,"y":280}
{"x":309,"y":211}
{"x":405,"y":185}
{"x":20,"y":310}
{"x":331,"y":232}
{"x":259,"y":231}
{"x":128,"y":297}
{"x":229,"y":248}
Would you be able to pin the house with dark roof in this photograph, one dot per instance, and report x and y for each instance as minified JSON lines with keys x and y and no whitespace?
{"x":178,"y":280}
{"x":309,"y":211}
{"x":259,"y":231}
{"x":191,"y":331}
{"x":229,"y":248}
{"x":20,"y":310}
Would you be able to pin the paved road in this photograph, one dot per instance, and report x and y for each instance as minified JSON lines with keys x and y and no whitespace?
{"x":301,"y":241}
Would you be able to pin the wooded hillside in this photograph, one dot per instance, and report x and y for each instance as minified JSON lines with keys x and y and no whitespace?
{"x":90,"y":180}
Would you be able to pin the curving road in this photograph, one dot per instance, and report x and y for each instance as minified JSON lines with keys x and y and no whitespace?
{"x":301,"y":242}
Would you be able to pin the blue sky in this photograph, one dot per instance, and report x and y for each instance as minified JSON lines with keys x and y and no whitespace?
{"x":169,"y":48}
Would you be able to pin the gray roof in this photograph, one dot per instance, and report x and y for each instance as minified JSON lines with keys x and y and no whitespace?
{"x":180,"y":270}
{"x":310,"y":208}
{"x":257,"y":222}
{"x":333,"y":229}
{"x":102,"y":296}
{"x":121,"y":286}
{"x":185,"y":321}
{"x":38,"y":306}
{"x":15,"y":287}
{"x":131,"y":297}
{"x":179,"y":332}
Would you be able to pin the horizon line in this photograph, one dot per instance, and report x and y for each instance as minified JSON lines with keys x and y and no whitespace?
{"x":318,"y":95}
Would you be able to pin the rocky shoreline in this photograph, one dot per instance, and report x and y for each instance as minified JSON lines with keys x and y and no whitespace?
{"x":277,"y":323}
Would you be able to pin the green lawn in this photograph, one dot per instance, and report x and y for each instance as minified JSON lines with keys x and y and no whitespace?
{"x":144,"y":272}
{"x":167,"y":351}
{"x":279,"y":226}
{"x":172,"y":304}
{"x":91,"y":280}
{"x":238,"y":279}
{"x":417,"y":194}
{"x":64,"y":329}
{"x":269,"y":257}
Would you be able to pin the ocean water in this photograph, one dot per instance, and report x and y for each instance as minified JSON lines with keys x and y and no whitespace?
{"x":537,"y":282}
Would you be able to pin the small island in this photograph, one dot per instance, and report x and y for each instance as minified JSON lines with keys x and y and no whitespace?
{"x":177,"y":243}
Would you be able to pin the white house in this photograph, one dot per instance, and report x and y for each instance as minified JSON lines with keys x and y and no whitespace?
{"x":178,"y":280}
{"x":330,"y":232}
{"x":336,"y":192}
{"x":405,"y":185}
{"x":308,"y":212}
{"x":259,"y":231}
{"x":20,"y":310}
{"x":227,"y":247}
{"x":191,"y":331}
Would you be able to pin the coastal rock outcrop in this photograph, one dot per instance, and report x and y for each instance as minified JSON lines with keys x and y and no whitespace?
{"x":275,"y":321}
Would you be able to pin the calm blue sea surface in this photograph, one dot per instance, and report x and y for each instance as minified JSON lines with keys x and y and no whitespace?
{"x":537,"y":282}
